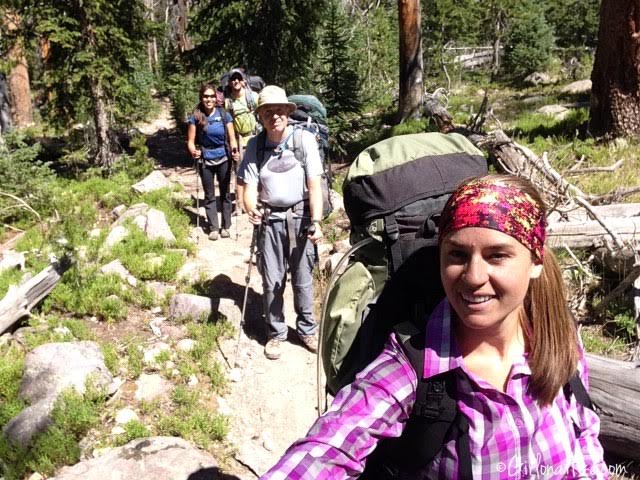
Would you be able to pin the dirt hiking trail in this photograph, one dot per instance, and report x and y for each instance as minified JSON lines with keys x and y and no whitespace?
{"x":270,"y":403}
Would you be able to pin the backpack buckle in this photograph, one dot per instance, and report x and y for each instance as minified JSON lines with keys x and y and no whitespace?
{"x":391,"y":228}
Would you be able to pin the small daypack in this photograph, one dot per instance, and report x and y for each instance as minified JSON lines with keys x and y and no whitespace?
{"x":311,"y":115}
{"x":393,"y":194}
{"x":300,"y":155}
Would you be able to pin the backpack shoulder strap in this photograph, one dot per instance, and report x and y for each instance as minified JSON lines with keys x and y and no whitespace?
{"x":435,"y":415}
{"x":251,"y":103}
{"x":575,"y":386}
{"x":261,"y":146}
{"x":298,"y":149}
{"x":228,"y":106}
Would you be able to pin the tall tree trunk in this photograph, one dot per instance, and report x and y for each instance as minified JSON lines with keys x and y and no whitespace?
{"x":498,"y":24}
{"x":19,"y":88}
{"x":105,"y":156}
{"x":615,"y":95}
{"x":411,"y":65}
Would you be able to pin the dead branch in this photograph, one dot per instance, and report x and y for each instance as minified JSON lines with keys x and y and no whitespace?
{"x":619,"y":290}
{"x":579,"y":171}
{"x":614,"y":196}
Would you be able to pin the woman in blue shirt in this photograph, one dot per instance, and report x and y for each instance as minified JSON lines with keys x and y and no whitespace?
{"x":209,"y":136}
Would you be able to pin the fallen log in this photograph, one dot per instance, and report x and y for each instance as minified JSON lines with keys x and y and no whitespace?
{"x":19,"y":300}
{"x":591,"y":233}
{"x":615,"y":389}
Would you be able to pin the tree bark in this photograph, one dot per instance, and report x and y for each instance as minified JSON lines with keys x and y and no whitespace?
{"x":614,"y":390}
{"x":615,"y":95}
{"x":411,"y":64}
{"x":105,"y":156}
{"x":19,"y":87}
{"x":19,"y":300}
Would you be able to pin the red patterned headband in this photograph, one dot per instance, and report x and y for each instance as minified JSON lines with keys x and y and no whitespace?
{"x":488,"y":204}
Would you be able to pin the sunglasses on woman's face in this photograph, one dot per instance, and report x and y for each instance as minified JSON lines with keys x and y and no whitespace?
{"x":209,"y":96}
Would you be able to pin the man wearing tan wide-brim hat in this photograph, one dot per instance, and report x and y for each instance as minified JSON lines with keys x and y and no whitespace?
{"x":290,"y":192}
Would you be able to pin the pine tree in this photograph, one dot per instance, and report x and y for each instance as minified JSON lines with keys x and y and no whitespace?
{"x":529,"y":41}
{"x":93,"y":65}
{"x":340,"y":83}
{"x":274,"y":39}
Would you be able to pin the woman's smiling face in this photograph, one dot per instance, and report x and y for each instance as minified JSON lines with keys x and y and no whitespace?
{"x":486,"y":276}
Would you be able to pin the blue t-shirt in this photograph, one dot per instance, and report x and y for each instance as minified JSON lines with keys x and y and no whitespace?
{"x":213,"y":137}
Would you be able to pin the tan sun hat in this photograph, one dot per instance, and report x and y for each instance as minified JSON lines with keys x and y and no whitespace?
{"x":274,"y":95}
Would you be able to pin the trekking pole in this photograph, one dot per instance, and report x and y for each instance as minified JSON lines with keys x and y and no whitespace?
{"x":196,"y":166}
{"x":254,"y":242}
{"x":236,"y":165}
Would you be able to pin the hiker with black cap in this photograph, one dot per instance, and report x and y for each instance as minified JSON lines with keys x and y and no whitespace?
{"x":502,"y":347}
{"x":291,"y":192}
{"x":209,"y":137}
{"x":241,"y":103}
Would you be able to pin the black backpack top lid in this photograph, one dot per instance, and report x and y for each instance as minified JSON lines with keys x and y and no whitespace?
{"x":400,"y":170}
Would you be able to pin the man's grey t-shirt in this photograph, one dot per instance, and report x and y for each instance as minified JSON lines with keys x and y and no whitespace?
{"x":281,"y":176}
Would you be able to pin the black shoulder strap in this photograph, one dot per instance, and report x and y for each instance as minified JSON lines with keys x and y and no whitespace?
{"x":575,"y":386}
{"x":261,"y":146}
{"x":435,"y":415}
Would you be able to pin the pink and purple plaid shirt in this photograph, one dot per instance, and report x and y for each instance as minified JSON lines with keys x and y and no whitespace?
{"x":511,"y":437}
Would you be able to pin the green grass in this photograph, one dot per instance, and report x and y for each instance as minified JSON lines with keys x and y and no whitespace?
{"x":11,"y":366}
{"x":111,"y":360}
{"x":134,"y":359}
{"x":197,"y":425}
{"x":8,"y":278}
{"x":132,"y":430}
{"x":138,"y":254}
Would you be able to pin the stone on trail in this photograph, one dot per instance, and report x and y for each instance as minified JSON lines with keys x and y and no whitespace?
{"x":150,"y":387}
{"x":157,"y":227}
{"x":154,"y":181}
{"x":146,"y":458}
{"x":116,"y":235}
{"x":185,"y":306}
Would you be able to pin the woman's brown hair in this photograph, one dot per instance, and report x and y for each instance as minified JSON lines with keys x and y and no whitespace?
{"x":198,"y":112}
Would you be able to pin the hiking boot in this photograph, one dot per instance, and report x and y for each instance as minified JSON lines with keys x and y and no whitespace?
{"x":310,"y":342}
{"x":273,"y":349}
{"x":213,"y":235}
{"x":224,"y":233}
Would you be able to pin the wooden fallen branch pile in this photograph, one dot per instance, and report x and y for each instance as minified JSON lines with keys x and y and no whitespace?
{"x":19,"y":300}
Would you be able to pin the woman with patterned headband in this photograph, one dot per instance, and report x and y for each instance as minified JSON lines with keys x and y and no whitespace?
{"x":503,"y":334}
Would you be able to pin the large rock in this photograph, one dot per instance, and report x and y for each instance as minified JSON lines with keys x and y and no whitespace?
{"x":149,"y":387}
{"x":10,"y":259}
{"x":146,"y":458}
{"x":557,"y":111}
{"x":158,"y":228}
{"x":580,"y":86}
{"x":538,"y":78}
{"x":49,"y":370}
{"x":185,"y":306}
{"x":154,"y":181}
{"x":53,"y":367}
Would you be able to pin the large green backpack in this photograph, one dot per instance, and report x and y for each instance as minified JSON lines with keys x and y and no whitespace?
{"x":393,"y":194}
